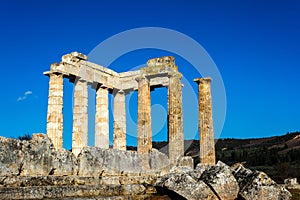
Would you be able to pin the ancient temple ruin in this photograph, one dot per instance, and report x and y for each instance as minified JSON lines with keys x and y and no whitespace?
{"x":159,"y":72}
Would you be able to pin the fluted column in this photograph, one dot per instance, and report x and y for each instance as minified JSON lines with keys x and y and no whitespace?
{"x":144,"y":116}
{"x":176,"y":138}
{"x":55,"y":107}
{"x":101,"y":119}
{"x":206,"y":130}
{"x":119,"y":120}
{"x":80,"y":116}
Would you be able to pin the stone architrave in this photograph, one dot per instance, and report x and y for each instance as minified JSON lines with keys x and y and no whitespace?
{"x":55,"y":107}
{"x":102,"y":119}
{"x":144,"y":116}
{"x":80,"y":116}
{"x":207,"y":143}
{"x":176,"y":139}
{"x":119,"y":120}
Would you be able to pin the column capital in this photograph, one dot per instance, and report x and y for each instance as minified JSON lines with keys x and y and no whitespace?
{"x":203,"y":80}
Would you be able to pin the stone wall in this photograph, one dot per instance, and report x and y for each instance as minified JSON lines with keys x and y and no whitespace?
{"x":34,"y":169}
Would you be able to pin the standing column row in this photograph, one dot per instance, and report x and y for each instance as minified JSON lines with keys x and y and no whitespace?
{"x":55,"y":107}
{"x":206,"y":130}
{"x":176,"y":139}
{"x":80,"y":116}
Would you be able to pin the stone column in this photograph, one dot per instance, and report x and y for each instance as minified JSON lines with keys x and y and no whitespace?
{"x":55,"y":107}
{"x":80,"y":116}
{"x":207,"y":143}
{"x":101,"y":119}
{"x":144,"y":116}
{"x":119,"y":120}
{"x":176,"y":139}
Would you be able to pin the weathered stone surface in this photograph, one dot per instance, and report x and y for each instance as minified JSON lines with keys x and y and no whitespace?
{"x":176,"y":139}
{"x":185,"y":161}
{"x":80,"y":116}
{"x":181,"y":170}
{"x":144,"y":117}
{"x":219,"y":182}
{"x":257,"y":185}
{"x":183,"y":186}
{"x":55,"y":108}
{"x":158,"y":161}
{"x":37,"y":187}
{"x":64,"y":163}
{"x":102,"y":119}
{"x":119,"y":120}
{"x":206,"y":130}
{"x":11,"y":156}
{"x":220,"y":178}
{"x":39,"y":154}
{"x":94,"y":161}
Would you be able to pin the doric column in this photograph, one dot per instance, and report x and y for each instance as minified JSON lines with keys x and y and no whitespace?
{"x":80,"y":116}
{"x":119,"y":120}
{"x":55,"y":107}
{"x":207,"y":143}
{"x":176,"y":139}
{"x":101,"y":119}
{"x":144,"y":116}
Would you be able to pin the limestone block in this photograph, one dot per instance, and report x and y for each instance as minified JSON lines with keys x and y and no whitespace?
{"x":93,"y":161}
{"x":258,"y":185}
{"x":158,"y":161}
{"x":220,"y":178}
{"x":183,"y":186}
{"x":64,"y":163}
{"x":11,"y":156}
{"x":39,"y":154}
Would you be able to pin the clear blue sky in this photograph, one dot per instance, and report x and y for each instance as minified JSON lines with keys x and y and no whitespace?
{"x":255,"y":45}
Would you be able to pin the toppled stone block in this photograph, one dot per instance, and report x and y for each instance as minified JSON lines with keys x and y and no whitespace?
{"x":258,"y":185}
{"x":183,"y":186}
{"x":11,"y":156}
{"x":220,"y":178}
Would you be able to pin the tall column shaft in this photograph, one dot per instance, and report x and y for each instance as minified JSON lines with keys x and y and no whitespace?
{"x":144,"y":117}
{"x":176,"y":139}
{"x":80,"y":117}
{"x":101,"y":119}
{"x":207,"y":143}
{"x":119,"y":121}
{"x":55,"y":107}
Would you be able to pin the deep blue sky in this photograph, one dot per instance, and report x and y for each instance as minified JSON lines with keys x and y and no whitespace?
{"x":255,"y":45}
